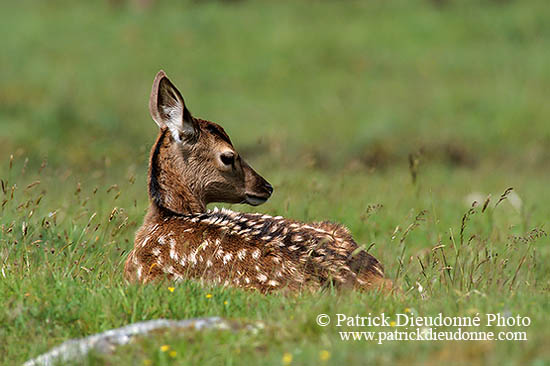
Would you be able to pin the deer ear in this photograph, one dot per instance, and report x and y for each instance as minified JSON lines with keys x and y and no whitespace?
{"x":168,"y":109}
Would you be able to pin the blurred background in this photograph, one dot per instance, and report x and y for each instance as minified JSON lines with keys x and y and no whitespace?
{"x":330,"y":85}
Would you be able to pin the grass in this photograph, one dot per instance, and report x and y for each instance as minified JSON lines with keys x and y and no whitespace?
{"x":326,"y":100}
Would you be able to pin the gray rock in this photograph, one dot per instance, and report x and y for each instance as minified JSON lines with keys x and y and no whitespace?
{"x":107,"y":341}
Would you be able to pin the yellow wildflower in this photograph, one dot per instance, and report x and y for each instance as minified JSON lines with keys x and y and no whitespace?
{"x":287,"y":358}
{"x":392,"y":323}
{"x":173,"y":354}
{"x":164,"y":348}
{"x":171,"y":289}
{"x":225,"y":302}
{"x":324,"y":355}
{"x":208,"y":296}
{"x":407,"y":310}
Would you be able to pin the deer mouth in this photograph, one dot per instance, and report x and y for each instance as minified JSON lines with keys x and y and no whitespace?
{"x":254,"y":200}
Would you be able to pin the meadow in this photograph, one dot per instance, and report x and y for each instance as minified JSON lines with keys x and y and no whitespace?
{"x":389,"y":117}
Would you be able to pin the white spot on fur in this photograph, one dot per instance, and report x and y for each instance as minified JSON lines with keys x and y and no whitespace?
{"x":261,"y":277}
{"x":192,"y":258}
{"x":203,"y":245}
{"x":256,"y":254}
{"x":315,"y":229}
{"x":174,"y":254}
{"x":208,"y":263}
{"x":227,"y":258}
{"x":241,"y":254}
{"x":229,"y":213}
{"x":156,"y":251}
{"x":273,"y":283}
{"x":279,"y":243}
{"x":379,"y":270}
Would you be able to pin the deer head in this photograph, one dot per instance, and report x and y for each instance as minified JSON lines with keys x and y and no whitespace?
{"x":193,"y":161}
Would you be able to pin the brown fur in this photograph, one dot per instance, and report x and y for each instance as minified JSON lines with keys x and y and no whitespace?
{"x":194,"y":163}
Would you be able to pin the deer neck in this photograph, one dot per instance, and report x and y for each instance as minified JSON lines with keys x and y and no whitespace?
{"x":169,"y":189}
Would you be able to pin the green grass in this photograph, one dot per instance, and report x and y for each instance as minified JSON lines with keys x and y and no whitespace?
{"x":326,"y":100}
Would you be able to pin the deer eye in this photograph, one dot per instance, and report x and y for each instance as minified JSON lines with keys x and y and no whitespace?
{"x":228,"y":158}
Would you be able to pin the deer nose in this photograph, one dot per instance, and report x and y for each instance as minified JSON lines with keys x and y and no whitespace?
{"x":269,"y":188}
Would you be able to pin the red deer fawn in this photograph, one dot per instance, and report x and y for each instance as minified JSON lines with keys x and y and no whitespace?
{"x":193,"y":163}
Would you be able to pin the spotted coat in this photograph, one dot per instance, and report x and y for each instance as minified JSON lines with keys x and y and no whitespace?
{"x":251,"y":250}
